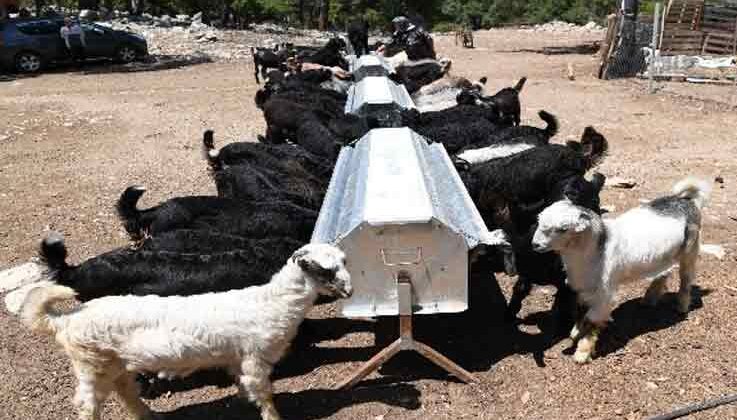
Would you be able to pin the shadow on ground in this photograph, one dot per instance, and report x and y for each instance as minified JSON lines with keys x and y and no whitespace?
{"x":304,"y":357}
{"x":150,"y":63}
{"x":633,"y":319}
{"x":476,"y":340}
{"x":306,"y":405}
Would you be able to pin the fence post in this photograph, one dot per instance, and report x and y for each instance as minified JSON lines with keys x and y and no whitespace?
{"x":657,"y":19}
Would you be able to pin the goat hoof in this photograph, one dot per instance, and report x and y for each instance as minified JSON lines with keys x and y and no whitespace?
{"x":575,"y":332}
{"x":582,"y":357}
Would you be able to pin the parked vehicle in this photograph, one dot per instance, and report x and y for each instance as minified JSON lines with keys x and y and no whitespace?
{"x":29,"y":45}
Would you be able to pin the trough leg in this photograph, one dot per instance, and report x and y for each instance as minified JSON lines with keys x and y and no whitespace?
{"x":406,"y":342}
{"x":372,"y":364}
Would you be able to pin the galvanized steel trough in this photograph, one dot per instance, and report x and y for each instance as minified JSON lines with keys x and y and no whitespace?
{"x":380,"y":98}
{"x":369,"y":65}
{"x":396,"y":203}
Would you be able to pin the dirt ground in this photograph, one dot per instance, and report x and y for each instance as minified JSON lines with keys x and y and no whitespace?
{"x":72,"y":142}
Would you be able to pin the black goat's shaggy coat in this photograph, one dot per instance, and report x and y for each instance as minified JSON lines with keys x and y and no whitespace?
{"x":171,"y":265}
{"x":519,"y":134}
{"x":329,"y":55}
{"x":358,"y":35}
{"x":510,"y":192}
{"x":236,"y":217}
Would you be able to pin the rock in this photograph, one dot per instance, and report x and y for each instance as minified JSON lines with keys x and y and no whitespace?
{"x":719,"y":180}
{"x":198,"y":26}
{"x":163,"y":23}
{"x":197,"y":17}
{"x":525,"y":397}
{"x":3,"y":138}
{"x":651,"y":385}
{"x":571,"y":72}
{"x":617,"y":182}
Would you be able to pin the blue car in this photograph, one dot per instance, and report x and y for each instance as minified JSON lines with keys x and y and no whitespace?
{"x":28,"y":45}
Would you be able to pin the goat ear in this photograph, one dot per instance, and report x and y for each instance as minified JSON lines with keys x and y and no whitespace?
{"x":306,"y":264}
{"x":298,"y":254}
{"x":584,"y":222}
{"x":598,"y":179}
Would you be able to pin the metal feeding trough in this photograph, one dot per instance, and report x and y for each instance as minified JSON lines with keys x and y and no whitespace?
{"x":369,"y":65}
{"x":397,"y":207}
{"x":380,"y":98}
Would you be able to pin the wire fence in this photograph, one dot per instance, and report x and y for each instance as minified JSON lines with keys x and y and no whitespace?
{"x":676,"y":42}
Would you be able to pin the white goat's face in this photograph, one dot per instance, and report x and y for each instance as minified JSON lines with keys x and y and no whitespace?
{"x":559,"y":225}
{"x":326,"y":266}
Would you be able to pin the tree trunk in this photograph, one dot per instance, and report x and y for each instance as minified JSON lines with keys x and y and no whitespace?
{"x":301,"y":11}
{"x":137,"y":7}
{"x":324,"y":9}
{"x":39,"y":4}
{"x":88,"y":4}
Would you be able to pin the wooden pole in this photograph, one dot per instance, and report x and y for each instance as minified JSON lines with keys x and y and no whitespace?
{"x":655,"y":54}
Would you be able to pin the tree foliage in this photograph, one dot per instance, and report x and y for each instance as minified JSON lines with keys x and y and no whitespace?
{"x":336,"y":13}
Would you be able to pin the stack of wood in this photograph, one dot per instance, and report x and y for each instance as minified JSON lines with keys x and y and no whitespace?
{"x":682,"y":33}
{"x":720,"y":28}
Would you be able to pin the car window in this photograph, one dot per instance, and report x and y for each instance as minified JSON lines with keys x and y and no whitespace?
{"x":42,"y":27}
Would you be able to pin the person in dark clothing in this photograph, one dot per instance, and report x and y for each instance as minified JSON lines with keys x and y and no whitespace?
{"x":410,"y":38}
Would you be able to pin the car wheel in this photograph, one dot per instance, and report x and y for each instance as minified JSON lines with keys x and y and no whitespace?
{"x":126,"y":54}
{"x":28,"y":62}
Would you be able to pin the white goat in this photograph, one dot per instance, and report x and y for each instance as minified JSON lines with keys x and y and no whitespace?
{"x":600,"y":255}
{"x":443,"y":93}
{"x":246,"y":331}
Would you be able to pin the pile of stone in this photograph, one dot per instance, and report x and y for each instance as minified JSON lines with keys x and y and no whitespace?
{"x":565,"y":27}
{"x":185,"y":36}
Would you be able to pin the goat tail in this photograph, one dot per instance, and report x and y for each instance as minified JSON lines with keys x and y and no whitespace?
{"x":37,"y":313}
{"x":127,"y":208}
{"x":552,"y":122}
{"x":594,"y":146}
{"x":521,"y":84}
{"x":211,"y":155}
{"x":256,"y":64}
{"x":693,"y":188}
{"x":53,"y":252}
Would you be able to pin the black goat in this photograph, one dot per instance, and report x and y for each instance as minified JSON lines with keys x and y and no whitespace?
{"x":505,"y":102}
{"x":259,"y":172}
{"x":235,"y":217}
{"x":457,"y":136}
{"x":267,"y":58}
{"x":301,"y":81}
{"x":459,"y":113}
{"x":285,"y":116}
{"x":241,"y":152}
{"x":358,"y":35}
{"x":416,"y":74}
{"x":508,"y":141}
{"x":510,"y":192}
{"x":173,"y":264}
{"x":329,"y":55}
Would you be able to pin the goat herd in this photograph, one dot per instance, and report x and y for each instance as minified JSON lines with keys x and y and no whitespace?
{"x":195,"y":290}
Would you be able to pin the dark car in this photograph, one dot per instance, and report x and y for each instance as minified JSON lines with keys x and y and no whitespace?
{"x":28,"y":45}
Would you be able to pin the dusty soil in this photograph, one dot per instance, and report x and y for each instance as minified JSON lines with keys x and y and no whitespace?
{"x":72,"y":142}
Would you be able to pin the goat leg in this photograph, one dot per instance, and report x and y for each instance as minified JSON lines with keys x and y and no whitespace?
{"x":521,"y":290}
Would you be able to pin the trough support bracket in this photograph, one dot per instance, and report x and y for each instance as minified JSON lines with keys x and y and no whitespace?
{"x":406,"y":341}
